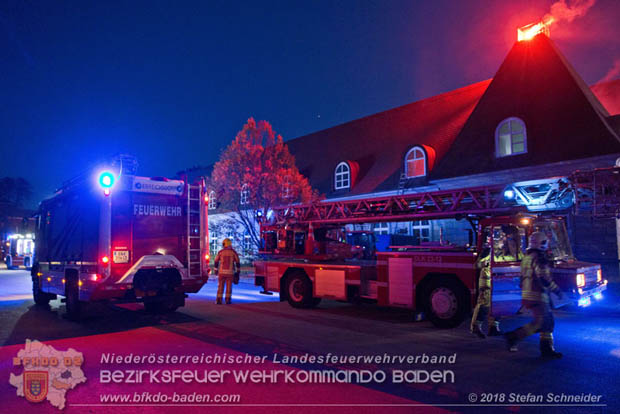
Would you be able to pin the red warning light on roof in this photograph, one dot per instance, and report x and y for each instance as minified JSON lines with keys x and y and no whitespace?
{"x":531,"y":30}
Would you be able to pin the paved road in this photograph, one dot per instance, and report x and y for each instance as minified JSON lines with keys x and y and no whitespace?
{"x":260,"y":325}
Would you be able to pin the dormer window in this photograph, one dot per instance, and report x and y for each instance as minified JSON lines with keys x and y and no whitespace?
{"x":342,"y":176}
{"x":510,"y":138}
{"x":212,"y":201}
{"x":415,"y":163}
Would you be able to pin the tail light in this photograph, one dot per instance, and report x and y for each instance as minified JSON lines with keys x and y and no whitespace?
{"x":581,"y":280}
{"x":105,"y":259}
{"x":599,"y":275}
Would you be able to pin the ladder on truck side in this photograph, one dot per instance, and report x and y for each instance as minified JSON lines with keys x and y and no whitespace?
{"x":194,"y":227}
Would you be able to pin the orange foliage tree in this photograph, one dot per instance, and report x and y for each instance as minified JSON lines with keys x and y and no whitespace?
{"x":255,"y":173}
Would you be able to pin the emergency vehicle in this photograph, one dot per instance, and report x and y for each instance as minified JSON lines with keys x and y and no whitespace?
{"x":115,"y":236}
{"x":18,"y":251}
{"x":306,"y":258}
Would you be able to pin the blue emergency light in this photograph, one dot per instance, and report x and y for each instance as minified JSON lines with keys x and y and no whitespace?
{"x":509,"y":194}
{"x":106,"y":179}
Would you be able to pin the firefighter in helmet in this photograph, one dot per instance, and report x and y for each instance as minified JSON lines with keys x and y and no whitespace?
{"x":536,"y":281}
{"x":227,"y":267}
{"x":482,"y":311}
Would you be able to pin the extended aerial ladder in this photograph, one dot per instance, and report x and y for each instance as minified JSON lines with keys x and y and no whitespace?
{"x":413,"y":206}
{"x":595,"y":192}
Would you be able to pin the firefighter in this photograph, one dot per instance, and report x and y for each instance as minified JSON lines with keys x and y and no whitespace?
{"x":536,"y":281}
{"x":227,"y":267}
{"x":482,"y":311}
{"x":509,"y":250}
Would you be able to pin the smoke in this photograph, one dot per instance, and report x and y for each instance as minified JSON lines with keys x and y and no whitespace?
{"x":563,"y":11}
{"x":613,"y":73}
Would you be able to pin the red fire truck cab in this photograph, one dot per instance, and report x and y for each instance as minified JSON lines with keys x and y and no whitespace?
{"x":114,"y":236}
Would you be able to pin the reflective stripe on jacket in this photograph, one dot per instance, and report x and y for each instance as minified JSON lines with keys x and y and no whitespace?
{"x":536,"y":278}
{"x":226,"y":260}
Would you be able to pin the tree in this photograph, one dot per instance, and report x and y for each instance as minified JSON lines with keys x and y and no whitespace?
{"x":15,"y":191}
{"x":255,"y":173}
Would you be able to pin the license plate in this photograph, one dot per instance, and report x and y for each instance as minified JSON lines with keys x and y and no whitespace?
{"x":121,"y":256}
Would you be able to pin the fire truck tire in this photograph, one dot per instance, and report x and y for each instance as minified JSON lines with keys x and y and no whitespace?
{"x":72,"y":299}
{"x":40,"y":298}
{"x":9,"y":262}
{"x":447,"y":303}
{"x":27,"y":263}
{"x":299,"y":291}
{"x":161,"y":307}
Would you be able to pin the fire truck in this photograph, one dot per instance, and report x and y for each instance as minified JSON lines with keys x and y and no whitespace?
{"x":306,"y":257}
{"x":18,"y":251}
{"x":114,"y":236}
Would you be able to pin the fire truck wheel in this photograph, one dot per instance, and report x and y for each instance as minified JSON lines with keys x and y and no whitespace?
{"x":299,"y":291}
{"x":72,"y":299}
{"x":40,"y":298}
{"x":160,"y":307}
{"x":447,"y":304}
{"x":9,"y":262}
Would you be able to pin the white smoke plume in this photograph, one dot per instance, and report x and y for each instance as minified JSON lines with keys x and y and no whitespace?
{"x":567,"y":11}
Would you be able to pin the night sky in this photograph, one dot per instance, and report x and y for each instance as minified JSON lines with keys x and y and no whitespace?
{"x":172,"y":82}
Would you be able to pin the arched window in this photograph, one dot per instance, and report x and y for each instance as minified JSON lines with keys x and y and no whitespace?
{"x":342,"y":176}
{"x":212,"y":201}
{"x":415,"y":163}
{"x":244,"y":196}
{"x":510,"y":137}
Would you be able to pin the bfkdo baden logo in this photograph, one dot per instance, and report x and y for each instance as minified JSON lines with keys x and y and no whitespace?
{"x":47,"y":373}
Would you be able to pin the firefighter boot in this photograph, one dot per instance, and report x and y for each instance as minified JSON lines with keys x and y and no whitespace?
{"x":476,"y":329}
{"x":218,"y":301}
{"x":494,"y":329}
{"x":546,"y":347}
{"x":511,"y":341}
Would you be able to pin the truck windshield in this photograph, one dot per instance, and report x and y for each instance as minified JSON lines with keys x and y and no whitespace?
{"x":559,"y":243}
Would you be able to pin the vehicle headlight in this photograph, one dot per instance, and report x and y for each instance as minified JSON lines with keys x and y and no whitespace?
{"x":581,"y":280}
{"x":599,"y":275}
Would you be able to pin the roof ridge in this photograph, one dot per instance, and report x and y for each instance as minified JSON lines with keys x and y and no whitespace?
{"x":433,"y":98}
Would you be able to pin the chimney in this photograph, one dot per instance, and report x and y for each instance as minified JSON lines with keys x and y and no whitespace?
{"x":531,"y":30}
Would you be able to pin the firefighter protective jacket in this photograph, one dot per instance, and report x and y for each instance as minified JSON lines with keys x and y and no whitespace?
{"x":536,"y":278}
{"x":227,"y":262}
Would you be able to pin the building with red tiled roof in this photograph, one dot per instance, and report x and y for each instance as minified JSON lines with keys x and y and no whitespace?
{"x":535,"y":119}
{"x":563,"y":121}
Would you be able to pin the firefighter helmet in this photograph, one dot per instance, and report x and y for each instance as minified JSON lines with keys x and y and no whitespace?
{"x":227,"y":242}
{"x":538,"y":240}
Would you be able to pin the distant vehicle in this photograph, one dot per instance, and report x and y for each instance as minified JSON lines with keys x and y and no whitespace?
{"x":125,"y":238}
{"x":18,"y":251}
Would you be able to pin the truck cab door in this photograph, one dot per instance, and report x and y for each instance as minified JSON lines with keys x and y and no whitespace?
{"x":506,"y":256}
